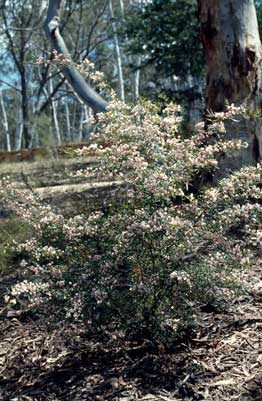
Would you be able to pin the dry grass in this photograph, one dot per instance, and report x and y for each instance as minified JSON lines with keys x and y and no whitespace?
{"x":30,"y":167}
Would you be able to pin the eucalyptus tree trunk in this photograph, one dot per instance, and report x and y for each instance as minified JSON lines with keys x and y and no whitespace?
{"x":118,"y":51}
{"x":122,"y":8}
{"x":54,"y":110}
{"x":68,"y":124}
{"x":25,"y":108}
{"x":81,"y":123}
{"x":132,"y":60}
{"x":233,"y":51}
{"x":137,"y":78}
{"x":72,"y":75}
{"x":5,"y":124}
{"x":18,"y":123}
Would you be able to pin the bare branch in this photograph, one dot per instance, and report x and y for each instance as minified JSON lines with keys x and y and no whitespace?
{"x":72,"y":75}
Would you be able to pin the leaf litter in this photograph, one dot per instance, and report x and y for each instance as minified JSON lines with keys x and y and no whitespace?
{"x":41,"y":361}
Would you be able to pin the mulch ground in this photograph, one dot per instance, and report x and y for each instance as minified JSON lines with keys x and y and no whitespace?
{"x":223,"y":362}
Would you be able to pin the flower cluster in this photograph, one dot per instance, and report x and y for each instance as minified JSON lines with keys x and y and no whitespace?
{"x":142,"y":145}
{"x":169,"y":245}
{"x":86,"y":67}
{"x":29,"y":294}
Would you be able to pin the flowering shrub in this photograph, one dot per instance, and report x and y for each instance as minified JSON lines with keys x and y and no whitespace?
{"x":145,"y":265}
{"x":86,"y":68}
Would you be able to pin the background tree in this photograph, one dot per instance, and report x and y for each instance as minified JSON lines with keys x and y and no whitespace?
{"x":166,"y":35}
{"x":233,"y":53}
{"x":36,"y":92}
{"x":20,"y":21}
{"x":70,"y":72}
{"x":232,"y":46}
{"x":258,"y":5}
{"x":160,"y":52}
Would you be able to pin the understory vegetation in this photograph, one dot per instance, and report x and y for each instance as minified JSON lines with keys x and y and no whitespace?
{"x":143,"y":267}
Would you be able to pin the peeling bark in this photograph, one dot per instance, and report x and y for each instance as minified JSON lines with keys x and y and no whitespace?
{"x":72,"y":75}
{"x":233,"y":51}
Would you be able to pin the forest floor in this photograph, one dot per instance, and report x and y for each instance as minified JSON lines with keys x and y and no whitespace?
{"x":40,"y":361}
{"x":44,"y":361}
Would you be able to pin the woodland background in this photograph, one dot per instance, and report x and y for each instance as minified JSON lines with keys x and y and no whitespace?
{"x":149,"y":49}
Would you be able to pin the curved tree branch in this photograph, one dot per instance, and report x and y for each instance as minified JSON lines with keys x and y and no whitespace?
{"x":72,"y":75}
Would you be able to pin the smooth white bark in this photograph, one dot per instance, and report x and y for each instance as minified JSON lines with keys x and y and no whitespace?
{"x":83,"y":118}
{"x":122,"y":8}
{"x":137,"y":79}
{"x":67,"y":118}
{"x":5,"y":124}
{"x":118,"y":53}
{"x":18,"y":123}
{"x":54,"y":109}
{"x":75,"y":79}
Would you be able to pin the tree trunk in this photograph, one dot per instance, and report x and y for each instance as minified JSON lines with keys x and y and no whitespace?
{"x":54,"y":110}
{"x":231,"y":41}
{"x":18,"y":123}
{"x":132,"y":60}
{"x":118,"y":52}
{"x":137,"y":78}
{"x":25,"y":110}
{"x":5,"y":124}
{"x":81,"y":122}
{"x":68,"y":124}
{"x":75,"y":79}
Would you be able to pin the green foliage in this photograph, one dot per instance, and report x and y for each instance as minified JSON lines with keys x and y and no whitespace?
{"x":12,"y":229}
{"x":166,"y":32}
{"x":146,"y":266}
{"x":44,"y":127}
